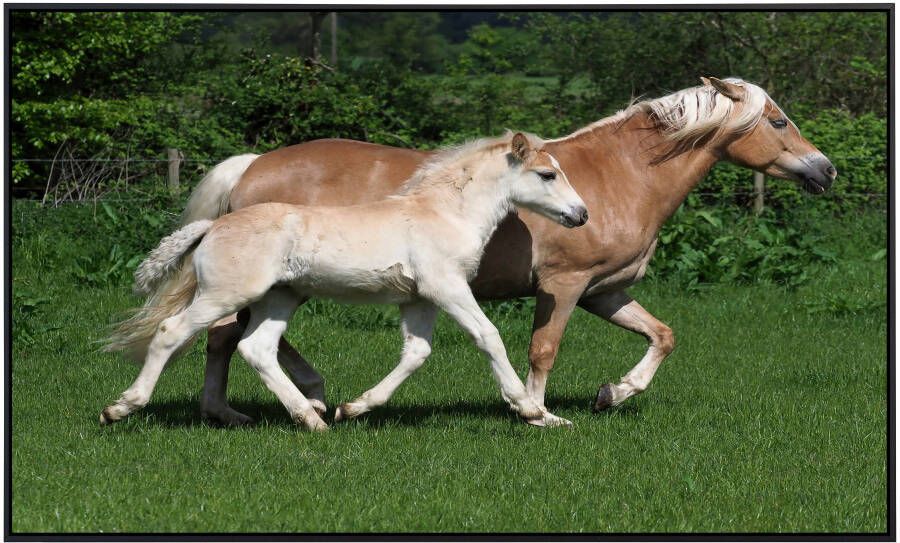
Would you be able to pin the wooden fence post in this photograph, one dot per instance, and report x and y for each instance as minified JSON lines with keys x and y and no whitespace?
{"x":334,"y":39}
{"x":175,"y":158}
{"x":759,"y":190}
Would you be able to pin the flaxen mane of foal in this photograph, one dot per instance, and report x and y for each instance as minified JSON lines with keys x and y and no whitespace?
{"x":418,"y":249}
{"x":632,"y":169}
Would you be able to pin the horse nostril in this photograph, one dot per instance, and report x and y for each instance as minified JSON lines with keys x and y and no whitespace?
{"x":584,"y":216}
{"x":831,"y":171}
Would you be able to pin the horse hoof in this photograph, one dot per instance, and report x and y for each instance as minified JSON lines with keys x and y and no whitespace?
{"x":604,"y":398}
{"x":227,"y":417}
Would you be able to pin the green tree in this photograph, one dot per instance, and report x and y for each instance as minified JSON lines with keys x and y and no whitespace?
{"x":103,"y":82}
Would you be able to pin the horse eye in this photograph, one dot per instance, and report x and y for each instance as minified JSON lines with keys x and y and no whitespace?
{"x":547,"y":176}
{"x":778,"y":123}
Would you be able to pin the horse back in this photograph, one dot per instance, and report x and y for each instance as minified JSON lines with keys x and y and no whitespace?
{"x":326,"y":172}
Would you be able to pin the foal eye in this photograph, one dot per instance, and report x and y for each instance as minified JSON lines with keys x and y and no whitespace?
{"x":778,"y":123}
{"x":547,"y":176}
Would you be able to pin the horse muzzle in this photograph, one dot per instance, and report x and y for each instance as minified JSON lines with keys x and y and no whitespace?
{"x":817,"y":174}
{"x":576,"y":216}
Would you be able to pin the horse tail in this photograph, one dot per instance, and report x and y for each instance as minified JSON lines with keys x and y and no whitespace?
{"x":168,"y":277}
{"x":210,"y":199}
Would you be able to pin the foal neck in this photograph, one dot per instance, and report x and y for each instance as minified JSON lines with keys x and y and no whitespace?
{"x":486,"y":199}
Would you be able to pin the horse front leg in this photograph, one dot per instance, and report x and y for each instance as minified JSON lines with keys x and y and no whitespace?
{"x":555,"y":302}
{"x":620,"y":309}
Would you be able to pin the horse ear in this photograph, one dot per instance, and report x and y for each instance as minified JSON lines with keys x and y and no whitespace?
{"x":735,"y":92}
{"x":520,"y":147}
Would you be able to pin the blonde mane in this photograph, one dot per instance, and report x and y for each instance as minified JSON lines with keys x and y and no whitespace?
{"x":448,"y":166}
{"x":695,"y":113}
{"x":690,"y":115}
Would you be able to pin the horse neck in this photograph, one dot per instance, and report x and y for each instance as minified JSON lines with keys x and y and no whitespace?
{"x":624,"y":159}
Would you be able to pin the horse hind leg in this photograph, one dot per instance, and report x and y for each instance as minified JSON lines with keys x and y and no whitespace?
{"x":417,"y":326}
{"x":620,"y":309}
{"x":268,"y":320}
{"x":172,"y":333}
{"x":221,"y":344}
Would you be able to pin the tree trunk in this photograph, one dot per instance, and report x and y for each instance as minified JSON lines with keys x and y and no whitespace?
{"x":334,"y":38}
{"x":315,"y":32}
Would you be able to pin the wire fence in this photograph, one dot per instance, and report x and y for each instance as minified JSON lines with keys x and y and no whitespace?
{"x":73,"y":179}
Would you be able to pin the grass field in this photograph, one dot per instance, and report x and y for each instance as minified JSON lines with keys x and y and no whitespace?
{"x":770,"y":416}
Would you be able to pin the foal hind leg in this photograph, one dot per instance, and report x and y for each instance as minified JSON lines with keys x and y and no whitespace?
{"x":620,"y":309}
{"x":417,"y":326}
{"x":222,"y":340}
{"x":307,"y":379}
{"x":172,"y":333}
{"x":268,"y":320}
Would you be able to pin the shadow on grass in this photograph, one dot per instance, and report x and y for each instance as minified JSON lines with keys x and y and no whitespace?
{"x":185,"y":413}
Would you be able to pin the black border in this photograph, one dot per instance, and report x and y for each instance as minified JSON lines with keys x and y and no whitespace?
{"x":889,"y":535}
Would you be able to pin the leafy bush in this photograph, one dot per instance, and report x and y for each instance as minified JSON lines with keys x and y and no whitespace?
{"x":97,"y":246}
{"x":727,"y":245}
{"x":28,"y":310}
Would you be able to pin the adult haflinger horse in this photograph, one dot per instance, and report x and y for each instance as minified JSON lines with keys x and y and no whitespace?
{"x":632,"y":169}
{"x":418,"y":249}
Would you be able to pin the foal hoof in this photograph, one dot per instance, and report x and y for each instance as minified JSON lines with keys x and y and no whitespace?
{"x":604,"y":398}
{"x":347,"y":411}
{"x":549,"y":420}
{"x":315,"y":424}
{"x":106,"y":417}
{"x":319,"y":406}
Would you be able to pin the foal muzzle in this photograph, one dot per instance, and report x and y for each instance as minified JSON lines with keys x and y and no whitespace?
{"x":576,"y":216}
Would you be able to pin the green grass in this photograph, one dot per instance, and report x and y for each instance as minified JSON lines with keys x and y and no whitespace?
{"x":770,"y":416}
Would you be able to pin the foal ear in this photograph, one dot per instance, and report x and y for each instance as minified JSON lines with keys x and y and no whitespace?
{"x":735,"y":92}
{"x":520,"y":147}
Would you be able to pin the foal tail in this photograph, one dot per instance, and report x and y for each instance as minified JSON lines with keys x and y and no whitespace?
{"x":210,"y":199}
{"x":168,"y":277}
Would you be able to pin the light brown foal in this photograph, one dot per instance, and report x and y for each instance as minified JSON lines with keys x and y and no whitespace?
{"x":633,"y":170}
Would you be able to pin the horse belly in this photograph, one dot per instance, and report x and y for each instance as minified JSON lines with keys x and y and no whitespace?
{"x":622,"y":274}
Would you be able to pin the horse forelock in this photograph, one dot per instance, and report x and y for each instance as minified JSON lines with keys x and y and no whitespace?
{"x":450,"y":165}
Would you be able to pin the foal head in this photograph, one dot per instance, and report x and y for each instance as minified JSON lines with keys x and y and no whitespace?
{"x":541,"y":186}
{"x":773,"y":144}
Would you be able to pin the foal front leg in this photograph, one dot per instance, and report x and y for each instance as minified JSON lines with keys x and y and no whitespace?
{"x":620,"y":309}
{"x":417,"y":326}
{"x":457,"y":300}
